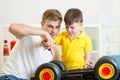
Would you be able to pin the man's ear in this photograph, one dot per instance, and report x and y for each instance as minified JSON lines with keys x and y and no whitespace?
{"x":41,"y":23}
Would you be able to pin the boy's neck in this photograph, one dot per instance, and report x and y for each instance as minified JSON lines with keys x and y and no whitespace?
{"x":73,"y":37}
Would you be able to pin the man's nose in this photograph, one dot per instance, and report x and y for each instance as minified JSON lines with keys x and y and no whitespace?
{"x":53,"y":29}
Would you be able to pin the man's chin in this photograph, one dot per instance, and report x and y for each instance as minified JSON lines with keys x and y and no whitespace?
{"x":54,"y":37}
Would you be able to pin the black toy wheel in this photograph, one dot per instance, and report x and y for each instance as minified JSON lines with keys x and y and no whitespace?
{"x":59,"y":64}
{"x":106,"y":68}
{"x":48,"y":71}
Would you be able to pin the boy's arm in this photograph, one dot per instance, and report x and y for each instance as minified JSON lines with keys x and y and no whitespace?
{"x":56,"y":52}
{"x":88,"y":60}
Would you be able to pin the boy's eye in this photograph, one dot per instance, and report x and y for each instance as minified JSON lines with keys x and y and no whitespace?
{"x":72,"y":27}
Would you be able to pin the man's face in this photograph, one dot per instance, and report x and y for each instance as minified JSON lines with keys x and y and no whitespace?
{"x":52,"y":27}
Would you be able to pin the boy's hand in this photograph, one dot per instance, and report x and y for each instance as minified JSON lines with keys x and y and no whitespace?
{"x":88,"y":63}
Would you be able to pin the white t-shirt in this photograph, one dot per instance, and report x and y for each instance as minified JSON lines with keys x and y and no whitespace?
{"x":26,"y":56}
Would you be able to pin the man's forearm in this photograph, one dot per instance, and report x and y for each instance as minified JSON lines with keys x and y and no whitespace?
{"x":20,"y":30}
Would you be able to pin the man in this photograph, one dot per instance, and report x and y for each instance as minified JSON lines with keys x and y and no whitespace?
{"x":29,"y":53}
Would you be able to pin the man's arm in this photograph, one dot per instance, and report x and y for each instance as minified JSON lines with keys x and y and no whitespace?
{"x":20,"y":30}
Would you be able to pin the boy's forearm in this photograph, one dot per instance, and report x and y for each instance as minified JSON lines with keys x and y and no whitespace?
{"x":88,"y":60}
{"x":57,"y":54}
{"x":88,"y":55}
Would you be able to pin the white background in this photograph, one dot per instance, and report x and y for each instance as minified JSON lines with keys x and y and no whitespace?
{"x":96,"y":12}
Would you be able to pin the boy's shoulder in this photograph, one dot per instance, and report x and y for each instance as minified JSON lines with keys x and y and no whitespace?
{"x":85,"y":35}
{"x":64,"y":33}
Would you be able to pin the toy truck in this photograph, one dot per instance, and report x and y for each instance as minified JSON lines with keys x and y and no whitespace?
{"x":106,"y":68}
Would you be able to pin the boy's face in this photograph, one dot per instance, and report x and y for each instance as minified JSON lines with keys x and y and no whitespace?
{"x":74,"y":29}
{"x":52,"y":27}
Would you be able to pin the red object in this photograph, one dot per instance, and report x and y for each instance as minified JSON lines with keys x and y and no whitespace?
{"x":47,"y":76}
{"x":12,"y":43}
{"x":5,"y":48}
{"x":5,"y":41}
{"x":106,"y":71}
{"x":6,"y":52}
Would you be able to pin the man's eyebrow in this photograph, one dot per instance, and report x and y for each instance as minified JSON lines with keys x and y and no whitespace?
{"x":53,"y":26}
{"x":50,"y":25}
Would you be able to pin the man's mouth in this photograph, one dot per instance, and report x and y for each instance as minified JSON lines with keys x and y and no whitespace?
{"x":53,"y":35}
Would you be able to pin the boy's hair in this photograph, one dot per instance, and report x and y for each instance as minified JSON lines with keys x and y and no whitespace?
{"x":73,"y":15}
{"x":52,"y":14}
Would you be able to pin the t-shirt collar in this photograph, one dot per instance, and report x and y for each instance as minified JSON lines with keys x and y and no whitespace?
{"x":80,"y":36}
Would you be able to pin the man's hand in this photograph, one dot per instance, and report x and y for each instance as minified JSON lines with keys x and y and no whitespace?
{"x":46,"y":44}
{"x":47,"y":41}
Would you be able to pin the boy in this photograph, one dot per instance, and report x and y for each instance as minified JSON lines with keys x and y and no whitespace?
{"x":76,"y":45}
{"x":28,"y":53}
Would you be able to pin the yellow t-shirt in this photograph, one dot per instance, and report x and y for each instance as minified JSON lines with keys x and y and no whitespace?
{"x":73,"y":51}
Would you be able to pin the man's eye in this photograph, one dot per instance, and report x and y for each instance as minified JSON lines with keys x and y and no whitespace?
{"x":58,"y":27}
{"x":49,"y":26}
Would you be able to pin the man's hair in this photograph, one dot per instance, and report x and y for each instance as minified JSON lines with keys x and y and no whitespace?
{"x":73,"y":15}
{"x":52,"y":14}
